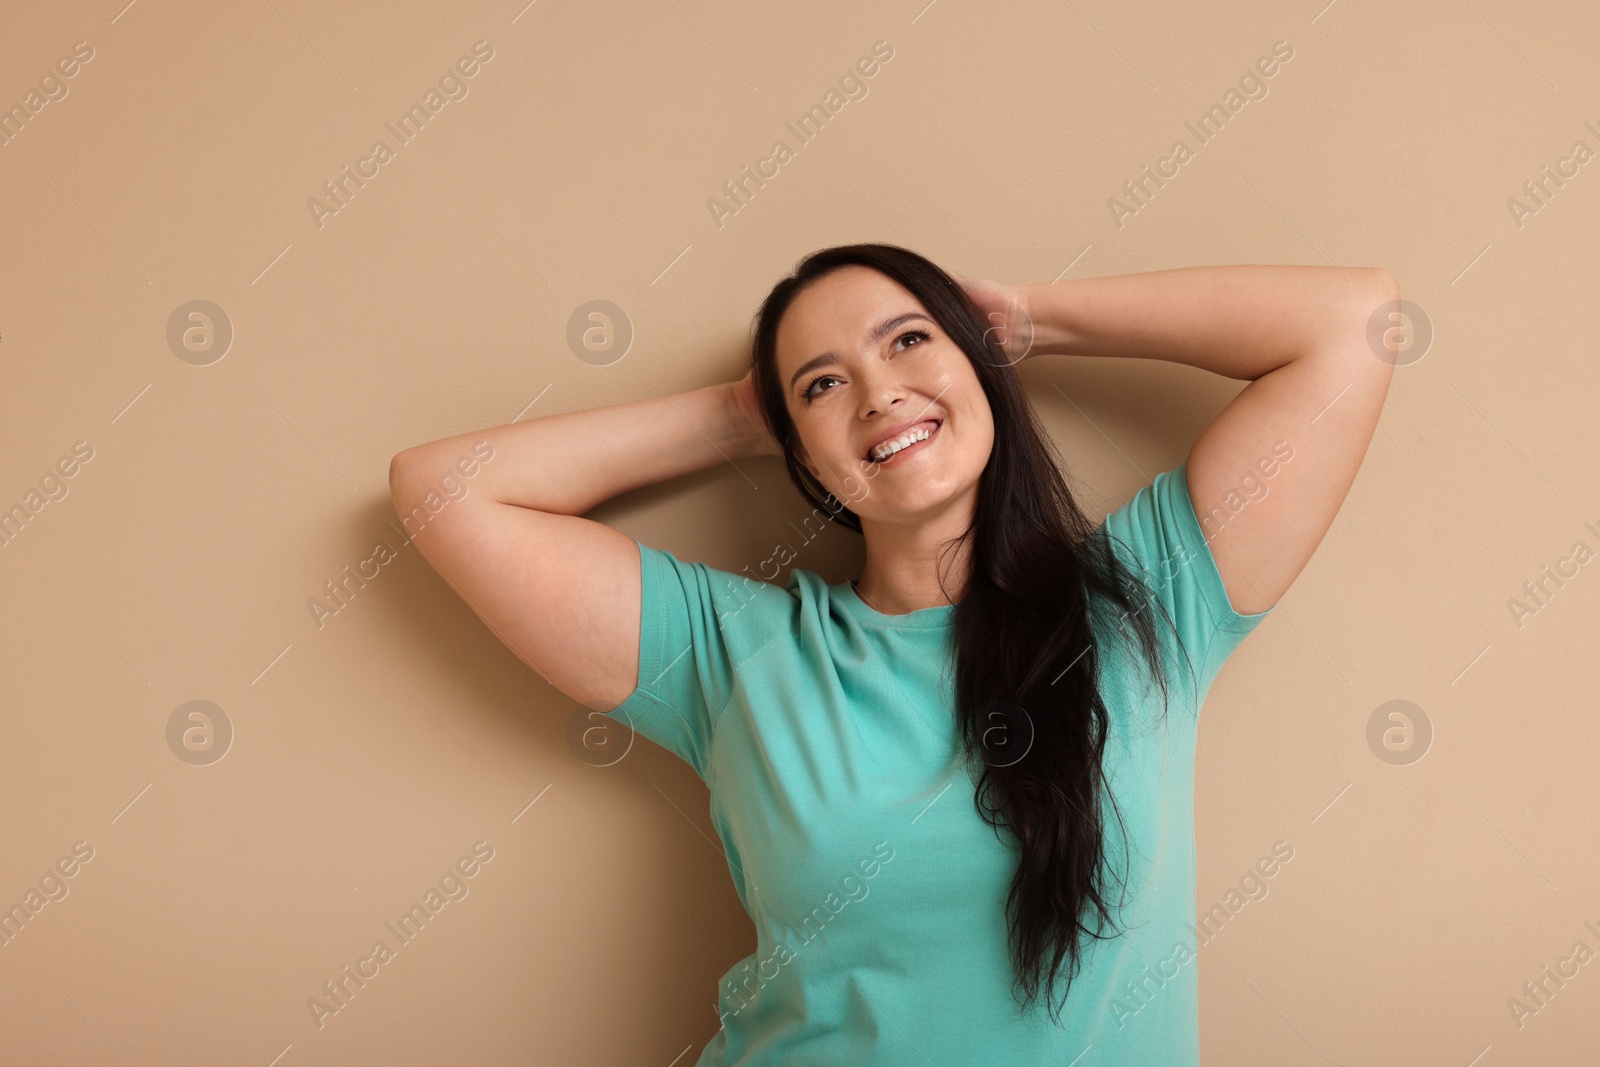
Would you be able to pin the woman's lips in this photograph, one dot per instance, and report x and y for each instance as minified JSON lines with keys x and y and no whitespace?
{"x":916,"y":446}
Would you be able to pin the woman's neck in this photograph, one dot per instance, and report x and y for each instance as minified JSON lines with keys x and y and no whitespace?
{"x":911,"y":568}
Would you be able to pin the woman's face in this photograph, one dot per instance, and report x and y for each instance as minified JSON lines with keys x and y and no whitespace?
{"x":861,"y":361}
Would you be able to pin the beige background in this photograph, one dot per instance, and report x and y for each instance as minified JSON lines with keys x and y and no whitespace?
{"x":372,"y":751}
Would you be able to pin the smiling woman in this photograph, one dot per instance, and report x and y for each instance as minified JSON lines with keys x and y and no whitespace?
{"x":985,"y":695}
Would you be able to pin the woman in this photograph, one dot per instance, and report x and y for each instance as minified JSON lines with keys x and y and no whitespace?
{"x":953,"y":801}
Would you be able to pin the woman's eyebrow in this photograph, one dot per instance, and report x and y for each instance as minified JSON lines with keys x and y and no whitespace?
{"x":873,"y":337}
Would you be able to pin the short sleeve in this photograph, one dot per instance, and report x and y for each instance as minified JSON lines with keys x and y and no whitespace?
{"x":1159,"y":533}
{"x":693,"y":628}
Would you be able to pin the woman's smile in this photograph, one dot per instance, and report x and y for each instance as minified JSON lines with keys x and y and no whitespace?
{"x":916,"y":439}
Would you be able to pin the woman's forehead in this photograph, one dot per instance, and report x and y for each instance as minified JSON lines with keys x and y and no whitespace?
{"x":845,"y":310}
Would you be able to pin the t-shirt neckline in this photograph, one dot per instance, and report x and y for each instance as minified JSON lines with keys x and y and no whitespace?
{"x":921,"y":619}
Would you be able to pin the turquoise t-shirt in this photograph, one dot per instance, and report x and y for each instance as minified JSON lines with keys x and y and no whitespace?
{"x":826,"y":734}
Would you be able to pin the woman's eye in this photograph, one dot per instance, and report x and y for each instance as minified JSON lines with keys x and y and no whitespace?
{"x":810,"y":389}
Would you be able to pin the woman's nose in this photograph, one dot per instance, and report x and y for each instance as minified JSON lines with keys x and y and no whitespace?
{"x":880,"y":393}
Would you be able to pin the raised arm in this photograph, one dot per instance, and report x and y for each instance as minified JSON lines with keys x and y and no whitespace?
{"x":561,"y":591}
{"x":1269,"y":473}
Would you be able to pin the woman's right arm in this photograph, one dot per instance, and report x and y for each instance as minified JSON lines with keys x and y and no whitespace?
{"x":561,"y":591}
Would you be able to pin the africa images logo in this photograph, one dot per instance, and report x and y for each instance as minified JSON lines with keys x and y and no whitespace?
{"x":340,"y":990}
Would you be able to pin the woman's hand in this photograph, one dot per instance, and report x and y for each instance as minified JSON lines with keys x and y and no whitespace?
{"x":745,"y":409}
{"x":1006,"y":307}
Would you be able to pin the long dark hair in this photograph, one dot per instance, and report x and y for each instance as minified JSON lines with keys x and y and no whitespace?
{"x":1027,"y":658}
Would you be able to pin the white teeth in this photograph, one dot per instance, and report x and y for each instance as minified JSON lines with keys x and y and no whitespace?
{"x":905,"y":440}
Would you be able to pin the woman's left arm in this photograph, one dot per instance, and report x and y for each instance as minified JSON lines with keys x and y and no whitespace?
{"x":1269,"y":473}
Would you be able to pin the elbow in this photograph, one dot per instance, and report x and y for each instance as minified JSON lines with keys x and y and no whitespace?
{"x":1386,"y":323}
{"x":403,"y":468}
{"x":1371,"y":303}
{"x":1383,"y":283}
{"x":397,"y":467}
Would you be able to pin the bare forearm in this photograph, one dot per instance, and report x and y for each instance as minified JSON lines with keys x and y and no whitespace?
{"x":1241,"y":321}
{"x":570,"y":462}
